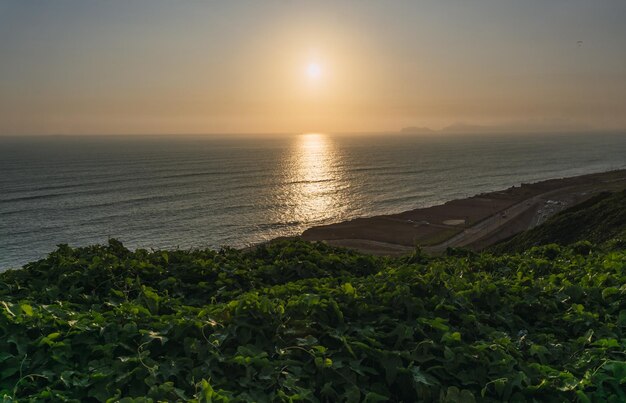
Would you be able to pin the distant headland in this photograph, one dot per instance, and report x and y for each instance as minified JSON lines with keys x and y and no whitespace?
{"x":542,"y":126}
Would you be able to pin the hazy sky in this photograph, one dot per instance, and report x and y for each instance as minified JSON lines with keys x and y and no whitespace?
{"x":298,"y":66}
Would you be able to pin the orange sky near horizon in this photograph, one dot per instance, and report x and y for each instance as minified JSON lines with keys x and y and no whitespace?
{"x":239,"y":67}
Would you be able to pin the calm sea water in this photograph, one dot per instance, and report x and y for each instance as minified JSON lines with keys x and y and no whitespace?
{"x":196,"y":192}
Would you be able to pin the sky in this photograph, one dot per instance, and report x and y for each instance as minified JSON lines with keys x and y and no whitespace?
{"x":161,"y":67}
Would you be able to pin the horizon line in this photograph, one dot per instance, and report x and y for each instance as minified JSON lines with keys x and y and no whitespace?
{"x":420,"y":131}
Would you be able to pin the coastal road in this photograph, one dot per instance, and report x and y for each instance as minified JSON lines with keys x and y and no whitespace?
{"x":488,"y":225}
{"x":524,"y":215}
{"x":494,"y":217}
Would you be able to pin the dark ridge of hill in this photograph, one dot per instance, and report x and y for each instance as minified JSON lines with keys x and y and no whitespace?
{"x":598,"y":220}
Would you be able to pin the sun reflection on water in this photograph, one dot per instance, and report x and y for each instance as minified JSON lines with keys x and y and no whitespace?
{"x":314,"y":194}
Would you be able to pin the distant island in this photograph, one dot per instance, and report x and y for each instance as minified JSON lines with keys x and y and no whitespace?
{"x":542,"y":126}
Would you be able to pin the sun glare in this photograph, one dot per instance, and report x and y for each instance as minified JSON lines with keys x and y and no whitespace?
{"x":314,"y":70}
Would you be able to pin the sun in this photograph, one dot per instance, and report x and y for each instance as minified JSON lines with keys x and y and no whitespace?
{"x":314,"y":70}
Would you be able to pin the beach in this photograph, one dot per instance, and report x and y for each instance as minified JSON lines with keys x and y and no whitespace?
{"x":204,"y":192}
{"x":474,"y":222}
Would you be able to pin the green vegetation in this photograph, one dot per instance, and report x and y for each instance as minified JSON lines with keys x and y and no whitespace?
{"x":293,"y":321}
{"x":598,"y":220}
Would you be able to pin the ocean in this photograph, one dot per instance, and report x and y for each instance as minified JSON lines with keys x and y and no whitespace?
{"x":213,"y":191}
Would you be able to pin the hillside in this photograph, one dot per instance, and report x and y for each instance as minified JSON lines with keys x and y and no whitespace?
{"x":599,"y":219}
{"x":295,"y":321}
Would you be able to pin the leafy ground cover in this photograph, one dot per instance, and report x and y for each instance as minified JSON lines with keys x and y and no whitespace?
{"x":294,"y":321}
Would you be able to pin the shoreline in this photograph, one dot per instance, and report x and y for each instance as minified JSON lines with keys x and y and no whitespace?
{"x":474,"y":222}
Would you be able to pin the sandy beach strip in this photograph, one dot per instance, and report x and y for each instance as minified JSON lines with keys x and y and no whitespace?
{"x":475,"y":222}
